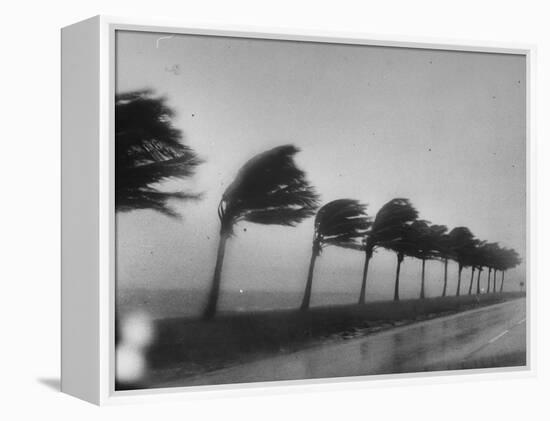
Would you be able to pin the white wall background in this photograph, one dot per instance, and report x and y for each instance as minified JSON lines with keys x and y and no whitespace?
{"x":29,"y":231}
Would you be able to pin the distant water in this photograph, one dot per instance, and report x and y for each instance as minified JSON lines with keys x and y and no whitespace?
{"x":163,"y":303}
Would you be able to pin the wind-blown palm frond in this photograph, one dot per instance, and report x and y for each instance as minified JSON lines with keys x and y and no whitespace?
{"x":477,"y":257}
{"x":438,"y":234}
{"x":486,"y":254}
{"x":463,"y":245}
{"x":391,"y":224}
{"x":501,"y":258}
{"x":341,"y":223}
{"x":268,"y":189}
{"x":427,"y":240}
{"x":510,"y":259}
{"x":148,"y":151}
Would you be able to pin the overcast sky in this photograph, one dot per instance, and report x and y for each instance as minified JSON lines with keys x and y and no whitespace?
{"x":444,"y":129}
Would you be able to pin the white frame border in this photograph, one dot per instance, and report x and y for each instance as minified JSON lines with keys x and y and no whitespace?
{"x":107,"y":395}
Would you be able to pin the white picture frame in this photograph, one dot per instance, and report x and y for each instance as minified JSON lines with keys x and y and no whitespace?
{"x":88,"y":354}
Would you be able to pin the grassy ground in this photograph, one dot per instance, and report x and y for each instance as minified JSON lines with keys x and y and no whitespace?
{"x":186,"y":347}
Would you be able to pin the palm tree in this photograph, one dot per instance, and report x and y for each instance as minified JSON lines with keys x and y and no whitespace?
{"x":425,"y":245}
{"x":493,"y":253}
{"x":487,"y":255}
{"x":475,"y":260}
{"x":341,"y":223}
{"x":387,"y":230}
{"x":495,"y":279}
{"x":495,"y":261}
{"x":446,"y":253}
{"x":439,"y":245}
{"x":510,"y":260}
{"x":478,"y":288}
{"x":269,"y":189}
{"x":463,"y":245}
{"x":148,"y":151}
{"x":471,"y":280}
{"x":403,"y":246}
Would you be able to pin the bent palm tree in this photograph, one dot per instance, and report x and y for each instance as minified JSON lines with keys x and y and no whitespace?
{"x":510,"y":259}
{"x":269,"y":189}
{"x":478,"y":288}
{"x":388,"y":229}
{"x":476,"y":260}
{"x":499,"y":262}
{"x":148,"y":151}
{"x":486,"y":258}
{"x":341,"y":223}
{"x":446,"y":253}
{"x":403,"y":246}
{"x":471,"y":280}
{"x":463,"y":245}
{"x":426,"y":242}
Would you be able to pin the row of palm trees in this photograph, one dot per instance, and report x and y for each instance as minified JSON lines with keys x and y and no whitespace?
{"x":396,"y":227}
{"x":271,"y":189}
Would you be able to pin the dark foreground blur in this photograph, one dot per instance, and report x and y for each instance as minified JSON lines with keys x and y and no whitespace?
{"x":183,"y":351}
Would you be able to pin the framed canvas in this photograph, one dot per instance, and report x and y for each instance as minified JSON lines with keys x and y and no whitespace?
{"x":244,"y":209}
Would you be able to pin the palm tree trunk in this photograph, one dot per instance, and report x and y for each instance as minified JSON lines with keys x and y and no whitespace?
{"x":478,"y":291}
{"x":459,"y":279}
{"x":212,"y":304}
{"x":309,"y":283}
{"x":422,"y":289}
{"x":396,"y":290}
{"x":502,"y":282}
{"x":363,"y":293}
{"x":471,"y":281}
{"x":445,"y":278}
{"x":489,"y":282}
{"x":495,"y":281}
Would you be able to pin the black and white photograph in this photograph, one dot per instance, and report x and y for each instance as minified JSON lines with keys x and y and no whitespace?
{"x":298,"y":210}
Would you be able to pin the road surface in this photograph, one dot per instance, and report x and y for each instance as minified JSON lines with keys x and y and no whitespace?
{"x":492,"y":336}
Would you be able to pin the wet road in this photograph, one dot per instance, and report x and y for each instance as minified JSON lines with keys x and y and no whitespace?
{"x":488,"y":337}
